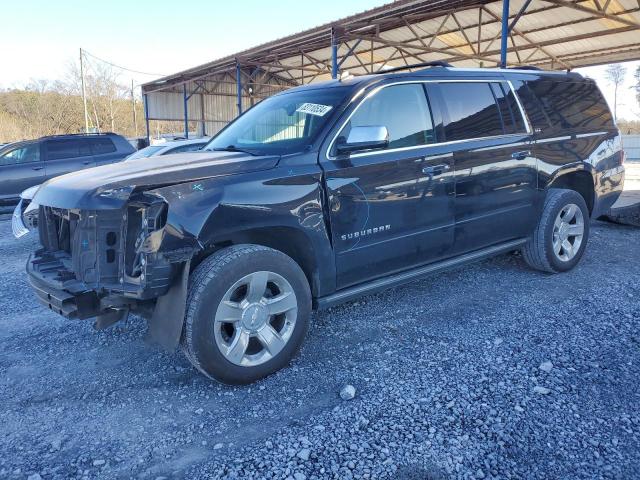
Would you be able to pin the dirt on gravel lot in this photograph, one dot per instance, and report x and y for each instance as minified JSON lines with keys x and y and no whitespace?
{"x":489,"y":371}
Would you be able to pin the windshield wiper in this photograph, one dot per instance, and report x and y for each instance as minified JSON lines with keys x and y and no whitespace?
{"x":233,"y":148}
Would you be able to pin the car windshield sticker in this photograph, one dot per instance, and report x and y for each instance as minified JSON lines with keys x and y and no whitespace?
{"x":314,"y":109}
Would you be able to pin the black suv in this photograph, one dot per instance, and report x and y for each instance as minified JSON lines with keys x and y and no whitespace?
{"x":28,"y":163}
{"x":323,"y":193}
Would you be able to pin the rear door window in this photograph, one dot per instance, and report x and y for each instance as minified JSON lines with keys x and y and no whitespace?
{"x":472,"y":110}
{"x":101,"y":145}
{"x":67,"y":148}
{"x":537,"y":116}
{"x":402,"y":109}
{"x":508,"y":106}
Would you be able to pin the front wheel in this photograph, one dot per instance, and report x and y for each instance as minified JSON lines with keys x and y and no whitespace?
{"x":248,"y":311}
{"x":560,"y":238}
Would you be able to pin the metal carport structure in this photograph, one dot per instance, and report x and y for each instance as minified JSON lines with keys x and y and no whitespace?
{"x":552,"y":34}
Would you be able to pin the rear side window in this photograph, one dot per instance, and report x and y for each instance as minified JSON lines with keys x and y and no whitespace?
{"x":472,"y":110}
{"x":403,"y":109}
{"x":572,"y":104}
{"x":101,"y":145}
{"x":70,"y":148}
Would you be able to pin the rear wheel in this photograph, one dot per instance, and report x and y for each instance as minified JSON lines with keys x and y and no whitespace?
{"x":560,"y":238}
{"x":248,"y":311}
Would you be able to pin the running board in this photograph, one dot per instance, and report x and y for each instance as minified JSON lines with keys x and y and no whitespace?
{"x":380,"y":284}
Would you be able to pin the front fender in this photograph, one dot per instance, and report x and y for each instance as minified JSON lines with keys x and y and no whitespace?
{"x":206,"y":214}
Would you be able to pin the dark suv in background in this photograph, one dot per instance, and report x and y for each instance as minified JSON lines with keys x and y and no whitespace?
{"x":323,"y":193}
{"x":28,"y":163}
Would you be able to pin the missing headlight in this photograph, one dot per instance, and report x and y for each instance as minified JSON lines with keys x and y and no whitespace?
{"x":144,"y":217}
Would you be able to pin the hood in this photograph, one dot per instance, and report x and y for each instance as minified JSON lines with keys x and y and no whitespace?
{"x":109,"y":186}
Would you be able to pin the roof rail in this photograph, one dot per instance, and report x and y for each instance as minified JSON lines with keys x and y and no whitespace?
{"x":525,"y":67}
{"x":436,"y":63}
{"x":80,"y":134}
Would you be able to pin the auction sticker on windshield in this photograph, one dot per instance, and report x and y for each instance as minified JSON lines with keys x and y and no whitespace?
{"x":314,"y":109}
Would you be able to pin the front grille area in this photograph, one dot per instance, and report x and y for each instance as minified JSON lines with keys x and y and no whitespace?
{"x":99,"y":250}
{"x":87,"y":243}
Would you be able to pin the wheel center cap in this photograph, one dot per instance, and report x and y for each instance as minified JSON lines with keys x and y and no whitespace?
{"x":563,"y":231}
{"x":254,"y":316}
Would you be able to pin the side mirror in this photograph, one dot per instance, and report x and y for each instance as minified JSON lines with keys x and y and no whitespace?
{"x":371,"y":137}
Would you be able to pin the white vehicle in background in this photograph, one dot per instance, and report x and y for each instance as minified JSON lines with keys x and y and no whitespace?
{"x":25,"y":215}
{"x":167,"y":148}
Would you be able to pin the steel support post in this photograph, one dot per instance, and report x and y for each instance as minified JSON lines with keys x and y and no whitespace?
{"x":239,"y":88}
{"x":334,"y":54}
{"x":505,"y":33}
{"x":186,"y":111}
{"x":146,"y":117}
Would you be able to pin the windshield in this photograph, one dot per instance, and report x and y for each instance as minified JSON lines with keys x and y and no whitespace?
{"x":146,"y":152}
{"x":285,"y":123}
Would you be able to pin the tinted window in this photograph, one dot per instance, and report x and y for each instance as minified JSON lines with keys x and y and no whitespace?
{"x":101,"y":145}
{"x":472,"y":109}
{"x":24,"y":154}
{"x":403,"y":109}
{"x":71,"y":148}
{"x":537,"y":116}
{"x":509,"y":110}
{"x":572,"y":104}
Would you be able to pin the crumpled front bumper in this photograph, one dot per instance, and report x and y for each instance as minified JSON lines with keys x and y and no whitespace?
{"x":62,"y":294}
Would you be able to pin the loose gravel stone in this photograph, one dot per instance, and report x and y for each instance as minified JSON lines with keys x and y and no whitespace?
{"x":546,"y":366}
{"x":541,"y":390}
{"x":348,"y":392}
{"x":304,"y":454}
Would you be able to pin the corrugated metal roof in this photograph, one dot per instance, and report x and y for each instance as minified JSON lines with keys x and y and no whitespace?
{"x":556,"y":34}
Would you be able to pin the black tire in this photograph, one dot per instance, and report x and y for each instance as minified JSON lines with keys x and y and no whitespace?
{"x":538,"y":251}
{"x":208,"y":284}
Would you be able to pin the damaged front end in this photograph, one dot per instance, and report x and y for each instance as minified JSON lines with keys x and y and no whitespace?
{"x":105,"y":263}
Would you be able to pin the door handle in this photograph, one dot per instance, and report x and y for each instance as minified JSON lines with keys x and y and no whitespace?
{"x":37,"y":168}
{"x":86,"y":162}
{"x":436,"y":169}
{"x":521,"y":155}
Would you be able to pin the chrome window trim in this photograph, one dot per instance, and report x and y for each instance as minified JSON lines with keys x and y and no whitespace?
{"x":373,"y":92}
{"x":592,"y":134}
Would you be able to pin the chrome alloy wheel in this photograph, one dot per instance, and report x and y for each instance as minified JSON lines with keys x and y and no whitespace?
{"x":568,"y":230}
{"x":255,"y":318}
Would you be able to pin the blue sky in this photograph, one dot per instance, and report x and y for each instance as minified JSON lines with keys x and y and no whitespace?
{"x":39,"y":38}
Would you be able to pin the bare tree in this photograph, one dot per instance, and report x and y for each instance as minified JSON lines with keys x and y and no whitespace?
{"x":636,"y":87}
{"x":615,"y":73}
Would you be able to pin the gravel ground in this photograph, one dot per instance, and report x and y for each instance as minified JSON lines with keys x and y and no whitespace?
{"x":490,"y":371}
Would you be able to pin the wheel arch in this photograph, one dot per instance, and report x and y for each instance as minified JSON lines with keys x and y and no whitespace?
{"x":291,"y":241}
{"x":579,"y":180}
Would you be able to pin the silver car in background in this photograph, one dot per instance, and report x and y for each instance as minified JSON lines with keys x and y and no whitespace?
{"x":25,"y":214}
{"x":167,"y":148}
